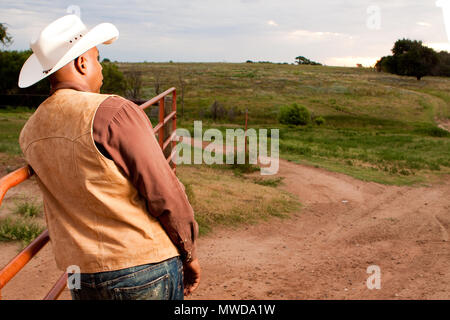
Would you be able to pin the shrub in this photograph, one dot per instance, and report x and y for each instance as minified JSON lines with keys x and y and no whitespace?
{"x":113,"y":79}
{"x":10,"y":65}
{"x":217,"y":111}
{"x":294,"y":114}
{"x":319,"y":121}
{"x":24,"y":229}
{"x":433,"y":131}
{"x":28,"y":208}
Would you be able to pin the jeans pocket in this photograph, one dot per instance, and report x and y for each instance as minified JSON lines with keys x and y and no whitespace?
{"x":157,"y":289}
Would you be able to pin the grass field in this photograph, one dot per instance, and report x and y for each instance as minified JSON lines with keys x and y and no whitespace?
{"x":219,"y":196}
{"x":327,"y":91}
{"x":378,"y":127}
{"x":395,"y":156}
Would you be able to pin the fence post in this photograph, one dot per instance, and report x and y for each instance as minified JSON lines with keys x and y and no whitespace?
{"x":161,"y":120}
{"x":169,"y":124}
{"x":174,"y":125}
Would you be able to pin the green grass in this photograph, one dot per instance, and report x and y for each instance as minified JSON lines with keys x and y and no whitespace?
{"x":393,"y":156}
{"x":219,"y":197}
{"x":270,"y":182}
{"x":371,"y":149}
{"x":264,"y":88}
{"x":27,"y":208}
{"x":20,"y":229}
{"x":378,"y":127}
{"x":11,"y":122}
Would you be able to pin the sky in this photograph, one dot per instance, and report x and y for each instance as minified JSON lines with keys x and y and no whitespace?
{"x":332,"y":32}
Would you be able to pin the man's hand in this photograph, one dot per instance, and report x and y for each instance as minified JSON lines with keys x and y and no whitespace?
{"x":192,"y":273}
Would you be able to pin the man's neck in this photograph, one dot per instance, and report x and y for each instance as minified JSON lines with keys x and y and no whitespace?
{"x":69,"y":85}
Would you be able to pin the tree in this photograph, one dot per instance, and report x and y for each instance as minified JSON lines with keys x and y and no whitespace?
{"x":405,"y":45}
{"x":5,"y":38}
{"x":157,"y":75}
{"x":414,"y":59}
{"x":387,"y":64}
{"x":443,"y":67}
{"x":303,"y":60}
{"x":133,"y":79}
{"x":410,"y":58}
{"x":113,"y":79}
{"x":11,"y":63}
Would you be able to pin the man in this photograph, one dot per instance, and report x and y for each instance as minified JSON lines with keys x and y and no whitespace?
{"x":113,"y":206}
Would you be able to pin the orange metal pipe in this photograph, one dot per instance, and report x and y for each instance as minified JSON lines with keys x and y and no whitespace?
{"x":161,"y":122}
{"x":14,"y":178}
{"x":19,"y":261}
{"x":245,"y":136}
{"x":170,"y":139}
{"x":156,"y":99}
{"x":171,"y":156}
{"x":56,"y":290}
{"x":174,"y":123}
{"x":166,"y":119}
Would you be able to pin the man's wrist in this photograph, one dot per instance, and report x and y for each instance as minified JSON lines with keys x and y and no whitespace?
{"x":189,"y":256}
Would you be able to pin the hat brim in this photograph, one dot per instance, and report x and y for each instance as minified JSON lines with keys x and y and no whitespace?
{"x":32,"y":71}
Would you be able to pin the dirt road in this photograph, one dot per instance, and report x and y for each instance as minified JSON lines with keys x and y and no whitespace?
{"x":321,"y":252}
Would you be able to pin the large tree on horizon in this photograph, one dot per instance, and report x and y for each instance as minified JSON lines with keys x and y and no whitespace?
{"x":302,"y":60}
{"x":410,"y":58}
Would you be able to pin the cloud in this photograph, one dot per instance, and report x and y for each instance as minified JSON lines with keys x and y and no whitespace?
{"x":328,"y":31}
{"x":317,"y":35}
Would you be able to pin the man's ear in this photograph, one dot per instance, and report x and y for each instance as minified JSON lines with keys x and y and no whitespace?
{"x":81,"y":65}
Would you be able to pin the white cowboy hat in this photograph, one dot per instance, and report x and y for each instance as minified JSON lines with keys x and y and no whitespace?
{"x":59,"y":43}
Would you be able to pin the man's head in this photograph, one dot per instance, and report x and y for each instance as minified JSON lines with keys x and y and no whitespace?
{"x":84,"y":70}
{"x":66,"y":50}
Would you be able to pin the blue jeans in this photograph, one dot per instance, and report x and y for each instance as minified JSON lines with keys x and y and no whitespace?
{"x":154,"y":281}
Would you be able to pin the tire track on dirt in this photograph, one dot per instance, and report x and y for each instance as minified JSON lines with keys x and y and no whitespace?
{"x":321,"y":252}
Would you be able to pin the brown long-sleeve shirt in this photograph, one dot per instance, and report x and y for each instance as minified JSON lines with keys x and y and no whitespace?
{"x":123,"y":133}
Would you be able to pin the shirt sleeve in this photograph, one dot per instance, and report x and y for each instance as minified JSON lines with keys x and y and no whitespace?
{"x":123,"y":132}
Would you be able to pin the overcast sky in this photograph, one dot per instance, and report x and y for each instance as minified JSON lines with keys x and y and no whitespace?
{"x":333,"y":32}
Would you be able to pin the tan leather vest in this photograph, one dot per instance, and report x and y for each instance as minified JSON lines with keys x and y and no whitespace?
{"x":95,"y":217}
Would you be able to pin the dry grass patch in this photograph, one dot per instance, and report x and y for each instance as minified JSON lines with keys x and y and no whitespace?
{"x":219,"y":197}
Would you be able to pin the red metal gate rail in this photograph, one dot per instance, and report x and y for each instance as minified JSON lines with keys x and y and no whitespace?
{"x":22,"y":174}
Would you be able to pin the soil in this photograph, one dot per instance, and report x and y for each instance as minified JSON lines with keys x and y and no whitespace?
{"x":444,"y":124}
{"x":320,"y":252}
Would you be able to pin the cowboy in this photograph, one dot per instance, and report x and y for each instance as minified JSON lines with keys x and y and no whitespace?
{"x":113,"y":206}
